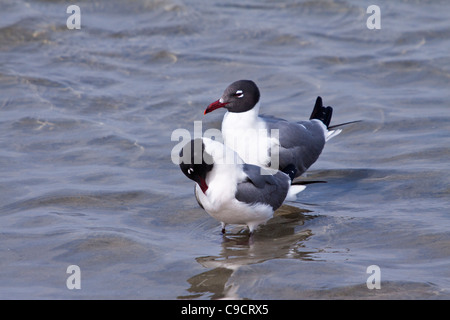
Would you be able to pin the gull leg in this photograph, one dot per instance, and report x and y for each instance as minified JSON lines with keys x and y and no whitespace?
{"x":223,"y":224}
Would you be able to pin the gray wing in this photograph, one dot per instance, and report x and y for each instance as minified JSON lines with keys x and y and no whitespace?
{"x":301,"y":143}
{"x":266,"y":189}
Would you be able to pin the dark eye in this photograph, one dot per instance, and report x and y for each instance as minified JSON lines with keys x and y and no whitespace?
{"x":239,"y":94}
{"x":190,"y":171}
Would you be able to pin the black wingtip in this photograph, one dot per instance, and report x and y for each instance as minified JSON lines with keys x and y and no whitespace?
{"x":321,"y":113}
{"x":302,"y":183}
{"x":344,"y":124}
{"x":290,"y":170}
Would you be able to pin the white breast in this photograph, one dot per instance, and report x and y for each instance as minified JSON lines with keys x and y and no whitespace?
{"x":225,"y":175}
{"x":231,"y":211}
{"x":247,"y":134}
{"x":219,"y":200}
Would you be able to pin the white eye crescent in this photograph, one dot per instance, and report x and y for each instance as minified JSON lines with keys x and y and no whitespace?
{"x":190,"y":170}
{"x":239,"y":94}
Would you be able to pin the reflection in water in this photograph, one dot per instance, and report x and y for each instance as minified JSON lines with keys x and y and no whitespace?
{"x":86,"y":121}
{"x":281,"y":238}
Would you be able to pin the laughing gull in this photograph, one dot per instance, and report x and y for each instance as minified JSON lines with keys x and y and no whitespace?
{"x":250,"y":134}
{"x":232,"y":191}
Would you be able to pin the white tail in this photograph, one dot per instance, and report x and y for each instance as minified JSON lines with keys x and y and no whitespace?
{"x":332,"y":133}
{"x":293,"y":191}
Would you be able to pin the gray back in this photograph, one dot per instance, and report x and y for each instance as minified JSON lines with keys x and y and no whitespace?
{"x":301,"y":142}
{"x":265,"y":189}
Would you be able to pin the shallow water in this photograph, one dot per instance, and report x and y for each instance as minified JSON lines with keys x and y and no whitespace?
{"x":86,"y":178}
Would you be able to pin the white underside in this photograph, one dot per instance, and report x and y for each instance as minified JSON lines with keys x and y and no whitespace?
{"x":219,"y":200}
{"x":232,"y":211}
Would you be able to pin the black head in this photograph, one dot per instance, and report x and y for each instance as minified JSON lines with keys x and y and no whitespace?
{"x":196,"y":163}
{"x":240,"y":96}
